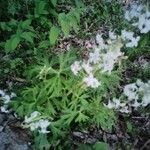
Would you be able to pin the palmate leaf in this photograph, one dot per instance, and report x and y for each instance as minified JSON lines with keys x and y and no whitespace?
{"x":81,"y":117}
{"x":50,"y":110}
{"x":54,"y":86}
{"x":56,"y":128}
{"x":68,"y":116}
{"x":65,"y":60}
{"x":103,"y":117}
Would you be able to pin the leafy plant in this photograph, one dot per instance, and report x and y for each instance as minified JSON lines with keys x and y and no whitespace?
{"x":31,"y":29}
{"x":57,"y":95}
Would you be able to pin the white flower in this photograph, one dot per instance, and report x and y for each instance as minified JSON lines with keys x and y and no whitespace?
{"x":13,"y":95}
{"x":146,"y":100}
{"x":112,"y":35}
{"x":91,"y":81}
{"x":130,"y":91}
{"x":135,"y":11}
{"x":75,"y":67}
{"x":2,"y":93}
{"x":111,"y":57}
{"x":117,"y":102}
{"x":32,"y":117}
{"x":108,"y":62}
{"x":144,"y":22}
{"x":126,"y":34}
{"x":129,"y":36}
{"x":145,"y":89}
{"x":87,"y":67}
{"x":4,"y":109}
{"x":33,"y":126}
{"x":43,"y":124}
{"x":6,"y":99}
{"x":127,"y":15}
{"x":100,"y":41}
{"x":110,"y":105}
{"x":136,"y":104}
{"x":124,"y":110}
{"x":133,"y":42}
{"x":94,"y":57}
{"x":139,"y":83}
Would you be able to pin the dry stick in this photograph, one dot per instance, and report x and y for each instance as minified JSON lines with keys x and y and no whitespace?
{"x":18,"y":79}
{"x":145,"y":145}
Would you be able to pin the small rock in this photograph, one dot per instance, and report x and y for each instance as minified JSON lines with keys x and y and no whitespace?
{"x":2,"y":118}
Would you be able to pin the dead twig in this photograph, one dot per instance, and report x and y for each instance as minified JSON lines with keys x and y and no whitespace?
{"x":145,"y":145}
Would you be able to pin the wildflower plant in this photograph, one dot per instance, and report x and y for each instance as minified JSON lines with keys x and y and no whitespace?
{"x":134,"y":95}
{"x":68,"y":91}
{"x":5,"y":100}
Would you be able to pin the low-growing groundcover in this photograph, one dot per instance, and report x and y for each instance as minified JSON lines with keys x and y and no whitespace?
{"x":92,"y":94}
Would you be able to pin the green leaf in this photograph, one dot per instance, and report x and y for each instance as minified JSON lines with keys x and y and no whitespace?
{"x":65,"y":24}
{"x":12,"y":44}
{"x":101,"y":146}
{"x":50,"y":109}
{"x":84,"y":147}
{"x":8,"y":46}
{"x":73,"y":22}
{"x":68,"y":116}
{"x":81,"y":118}
{"x":40,"y":8}
{"x":54,"y":2}
{"x":53,"y":35}
{"x":41,"y":142}
{"x":79,"y":3}
{"x":77,"y":15}
{"x":44,"y":44}
{"x":26,"y":23}
{"x":28,"y":36}
{"x":20,"y":110}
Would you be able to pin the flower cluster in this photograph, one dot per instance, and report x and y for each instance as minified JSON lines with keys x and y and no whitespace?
{"x":101,"y":59}
{"x":5,"y":99}
{"x":129,"y":37}
{"x":138,"y":94}
{"x":138,"y":91}
{"x":118,"y":105}
{"x":35,"y":122}
{"x":140,"y":16}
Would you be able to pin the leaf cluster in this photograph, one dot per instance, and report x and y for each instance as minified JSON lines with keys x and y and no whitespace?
{"x":56,"y":93}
